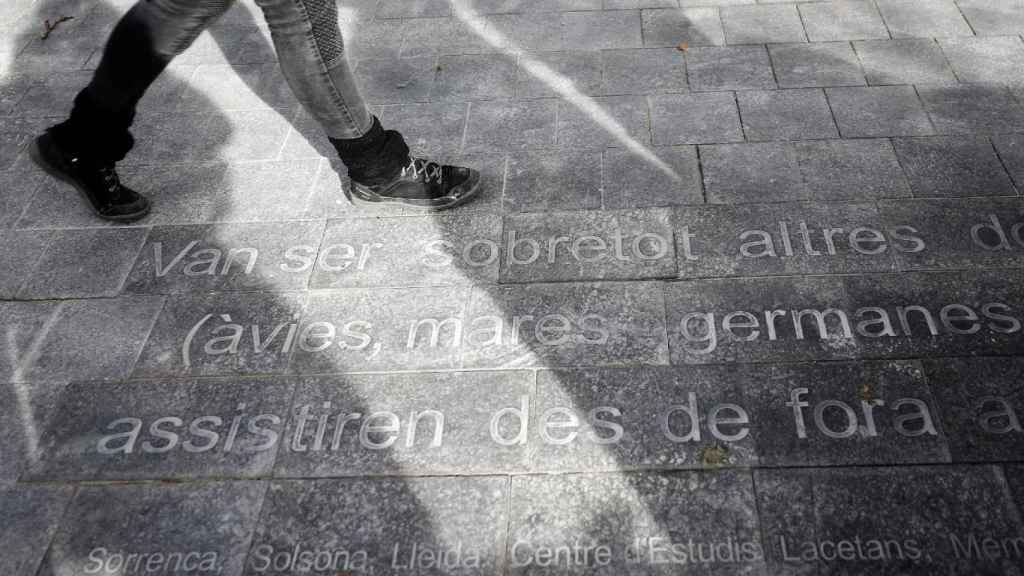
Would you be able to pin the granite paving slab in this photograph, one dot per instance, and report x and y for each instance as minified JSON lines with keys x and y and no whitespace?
{"x":602,"y":30}
{"x":762,"y":24}
{"x":695,"y":119}
{"x":851,"y":170}
{"x":575,"y":70}
{"x":752,"y":172}
{"x":575,"y":246}
{"x":31,"y":515}
{"x":170,"y":430}
{"x":661,"y":176}
{"x":842,"y":20}
{"x":541,"y":181}
{"x":646,"y":71}
{"x":507,"y":125}
{"x":633,"y":524}
{"x":18,"y":186}
{"x":972,"y":109}
{"x":923,"y":18}
{"x":801,"y":114}
{"x":950,"y":166}
{"x":878,"y":111}
{"x":20,"y":252}
{"x":786,"y":239}
{"x":729,"y":68}
{"x":888,"y":521}
{"x":81,"y":339}
{"x":1010,"y":148}
{"x":981,"y":401}
{"x":222,"y":333}
{"x":409,"y":251}
{"x":818,"y":64}
{"x":591,"y":324}
{"x":645,"y":418}
{"x":695,"y":26}
{"x":834,"y":414}
{"x":384,"y":526}
{"x":909,"y":61}
{"x":408,"y":424}
{"x":84,"y":264}
{"x":622,"y":121}
{"x":25,"y":411}
{"x":381,"y":329}
{"x":133,"y":529}
{"x":996,"y":60}
{"x":225,"y":257}
{"x":833,"y":318}
{"x":961,"y":234}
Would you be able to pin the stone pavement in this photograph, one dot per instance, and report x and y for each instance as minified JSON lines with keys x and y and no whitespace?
{"x":743,"y":295}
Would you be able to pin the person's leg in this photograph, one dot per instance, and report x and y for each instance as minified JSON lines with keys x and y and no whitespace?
{"x":83,"y":149}
{"x":312,"y":57}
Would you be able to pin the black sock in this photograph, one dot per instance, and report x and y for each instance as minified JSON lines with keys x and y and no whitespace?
{"x":374,"y":158}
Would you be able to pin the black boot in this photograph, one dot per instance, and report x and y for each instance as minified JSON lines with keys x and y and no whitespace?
{"x":381,"y":171}
{"x":97,"y":182}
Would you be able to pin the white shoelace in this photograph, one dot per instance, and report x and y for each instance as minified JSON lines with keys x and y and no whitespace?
{"x":420,"y":167}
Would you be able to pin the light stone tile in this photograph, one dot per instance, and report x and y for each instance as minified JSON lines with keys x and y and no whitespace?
{"x":212,"y":521}
{"x":609,"y":245}
{"x":31,"y":515}
{"x":164,"y":430}
{"x":565,"y":325}
{"x":84,"y":264}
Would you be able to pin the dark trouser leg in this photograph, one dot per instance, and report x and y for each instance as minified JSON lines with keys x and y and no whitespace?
{"x":144,"y":41}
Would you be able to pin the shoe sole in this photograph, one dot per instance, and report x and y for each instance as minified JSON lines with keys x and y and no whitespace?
{"x":40,"y":160}
{"x":360,"y":202}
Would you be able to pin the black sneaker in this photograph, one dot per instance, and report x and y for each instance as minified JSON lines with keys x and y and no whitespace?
{"x":423,"y":185}
{"x":100,"y":185}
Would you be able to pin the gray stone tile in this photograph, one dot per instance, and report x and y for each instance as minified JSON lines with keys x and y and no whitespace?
{"x":912,"y":520}
{"x":236,"y":192}
{"x":628,"y":518}
{"x":407,"y":424}
{"x":701,"y":26}
{"x":238,"y":136}
{"x":972,"y":109}
{"x":817,"y":64}
{"x":762,"y":23}
{"x":869,"y":316}
{"x":222,"y":333}
{"x":575,"y":246}
{"x":835,"y":414}
{"x":539,"y":181}
{"x":615,"y":419}
{"x":953,"y":166}
{"x":729,"y":68}
{"x":556,"y":325}
{"x":475,"y":77}
{"x":401,"y":80}
{"x":224,"y":257}
{"x":1014,"y":480}
{"x":923,"y":18}
{"x":192,"y":524}
{"x":386,"y":525}
{"x":434,"y":36}
{"x":786,"y":115}
{"x":80,"y":339}
{"x":663,"y":176}
{"x":574,"y":72}
{"x":379,"y":39}
{"x":878,"y":111}
{"x":644,"y":71}
{"x":16,"y":190}
{"x":505,"y":125}
{"x":53,"y":95}
{"x":842,"y":20}
{"x":635,"y":4}
{"x":31,"y":515}
{"x":528,"y":32}
{"x":601,"y":30}
{"x":616,"y":121}
{"x":912,"y":61}
{"x":997,"y":60}
{"x":84,"y":263}
{"x":25,"y":411}
{"x":20,"y":252}
{"x":13,"y":84}
{"x":993,"y":18}
{"x":413,"y":8}
{"x":378,"y":329}
{"x":851,"y":169}
{"x":960,"y":234}
{"x":782,"y":239}
{"x":743,"y":173}
{"x":237,"y":87}
{"x":409,"y":251}
{"x":15,"y":136}
{"x":695,"y":119}
{"x":164,"y":430}
{"x":980,"y":401}
{"x":1011,"y":152}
